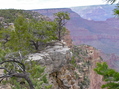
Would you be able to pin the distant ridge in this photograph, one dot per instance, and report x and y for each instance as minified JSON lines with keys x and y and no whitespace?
{"x":95,"y":5}
{"x":102,"y":35}
{"x":50,"y":12}
{"x":50,"y":9}
{"x":95,"y":12}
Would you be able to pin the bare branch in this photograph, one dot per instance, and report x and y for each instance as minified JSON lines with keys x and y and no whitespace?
{"x":5,"y":76}
{"x":23,"y":66}
{"x":4,"y":69}
{"x":10,"y":73}
{"x":111,"y":1}
{"x":1,"y":79}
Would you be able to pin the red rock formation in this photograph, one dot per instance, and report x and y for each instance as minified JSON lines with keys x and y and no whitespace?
{"x":95,"y":79}
{"x":100,"y":34}
{"x":93,"y":56}
{"x":67,"y":38}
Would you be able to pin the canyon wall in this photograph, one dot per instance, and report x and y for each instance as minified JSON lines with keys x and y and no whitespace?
{"x":102,"y":35}
{"x":90,"y":56}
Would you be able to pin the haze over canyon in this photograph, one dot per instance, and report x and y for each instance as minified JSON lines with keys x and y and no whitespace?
{"x":95,"y":26}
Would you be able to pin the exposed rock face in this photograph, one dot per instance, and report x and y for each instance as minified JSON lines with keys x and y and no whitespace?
{"x":56,"y":59}
{"x":62,"y":75}
{"x":64,"y":78}
{"x":89,"y":56}
{"x":99,"y":34}
{"x":102,"y":35}
{"x":65,"y":73}
{"x":67,"y":38}
{"x":86,"y":62}
{"x":95,"y":79}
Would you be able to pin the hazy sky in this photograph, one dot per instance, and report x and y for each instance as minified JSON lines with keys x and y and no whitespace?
{"x":38,"y":4}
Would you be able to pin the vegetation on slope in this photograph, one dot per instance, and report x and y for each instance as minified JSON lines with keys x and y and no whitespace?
{"x":10,"y":15}
{"x":81,"y":65}
{"x":29,"y":32}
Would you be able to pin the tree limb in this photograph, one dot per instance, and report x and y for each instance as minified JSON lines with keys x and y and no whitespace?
{"x":23,"y":66}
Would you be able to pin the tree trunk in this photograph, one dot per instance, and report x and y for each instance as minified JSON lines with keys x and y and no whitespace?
{"x":35,"y":44}
{"x":59,"y":36}
{"x":29,"y":82}
{"x":26,"y":77}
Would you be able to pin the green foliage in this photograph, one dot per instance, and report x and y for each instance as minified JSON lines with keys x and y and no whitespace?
{"x":38,"y":76}
{"x":19,"y":37}
{"x":42,"y":32}
{"x":11,"y":14}
{"x":48,"y":87}
{"x":110,"y":76}
{"x":28,"y":34}
{"x":60,"y":20}
{"x":116,"y":10}
{"x":3,"y":52}
{"x":78,"y":61}
{"x":62,"y":16}
{"x":17,"y":85}
{"x":73,"y":61}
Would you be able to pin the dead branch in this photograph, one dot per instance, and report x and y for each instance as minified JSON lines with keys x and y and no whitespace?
{"x":11,"y":73}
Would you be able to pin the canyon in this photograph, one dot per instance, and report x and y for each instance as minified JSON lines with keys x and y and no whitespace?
{"x":101,"y":34}
{"x":70,"y":63}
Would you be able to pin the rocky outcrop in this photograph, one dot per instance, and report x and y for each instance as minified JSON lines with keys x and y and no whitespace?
{"x":57,"y":61}
{"x":95,"y":79}
{"x":99,"y":34}
{"x":54,"y":57}
{"x":68,"y":69}
{"x":67,"y":38}
{"x":65,"y":72}
{"x":86,"y":59}
{"x":64,"y":78}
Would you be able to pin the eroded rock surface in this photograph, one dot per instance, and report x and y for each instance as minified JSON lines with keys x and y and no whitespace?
{"x":69,"y":68}
{"x":64,"y":75}
{"x":54,"y":57}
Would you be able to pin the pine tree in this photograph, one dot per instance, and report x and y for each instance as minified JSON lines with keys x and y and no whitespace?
{"x":42,"y":32}
{"x":110,"y":76}
{"x":60,"y":20}
{"x":28,"y":34}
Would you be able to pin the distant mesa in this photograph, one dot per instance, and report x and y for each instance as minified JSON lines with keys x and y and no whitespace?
{"x":95,"y":12}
